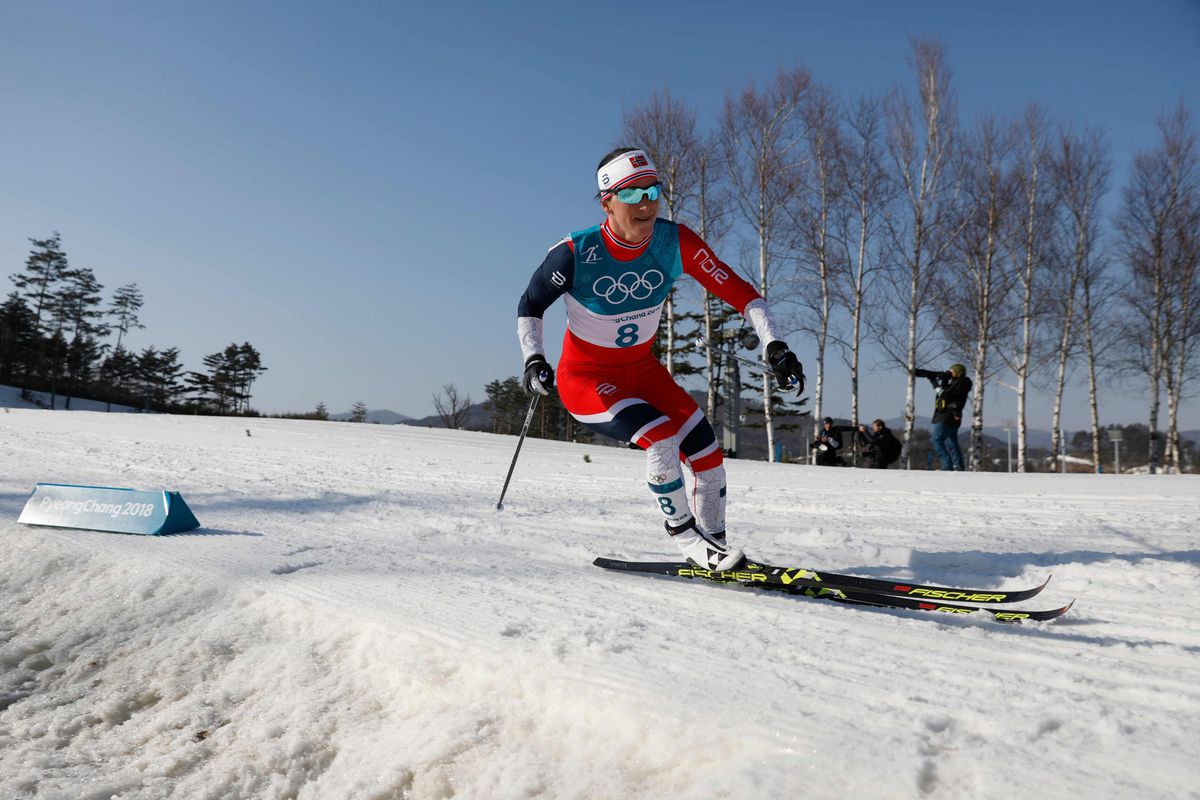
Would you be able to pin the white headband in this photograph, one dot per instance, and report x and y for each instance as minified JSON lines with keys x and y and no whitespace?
{"x":624,"y":169}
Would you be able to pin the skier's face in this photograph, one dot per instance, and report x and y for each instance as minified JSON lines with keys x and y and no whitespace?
{"x":632,"y":222}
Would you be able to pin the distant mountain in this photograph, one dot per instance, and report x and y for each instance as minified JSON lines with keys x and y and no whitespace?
{"x":478,"y":419}
{"x":380,"y":417}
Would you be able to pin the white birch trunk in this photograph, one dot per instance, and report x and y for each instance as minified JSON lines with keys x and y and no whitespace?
{"x":1094,"y":405}
{"x":763,"y":268}
{"x":1023,"y":363}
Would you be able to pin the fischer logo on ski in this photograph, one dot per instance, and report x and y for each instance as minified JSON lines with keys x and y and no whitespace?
{"x":944,"y":594}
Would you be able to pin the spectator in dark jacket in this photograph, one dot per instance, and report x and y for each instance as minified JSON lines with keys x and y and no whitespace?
{"x":883,"y":448}
{"x":951,"y":389}
{"x":827,"y":444}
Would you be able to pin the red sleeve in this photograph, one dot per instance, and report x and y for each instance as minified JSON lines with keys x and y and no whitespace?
{"x":715,"y":275}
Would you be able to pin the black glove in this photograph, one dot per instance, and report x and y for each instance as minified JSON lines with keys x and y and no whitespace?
{"x":785,"y":366}
{"x":539,"y":375}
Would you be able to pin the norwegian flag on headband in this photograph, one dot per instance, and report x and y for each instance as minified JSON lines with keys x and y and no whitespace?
{"x":625,"y":169}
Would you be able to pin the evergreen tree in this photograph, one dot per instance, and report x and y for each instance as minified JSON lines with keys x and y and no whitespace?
{"x":160,"y":377}
{"x":322,"y":413}
{"x":123,"y":311}
{"x":76,"y":310}
{"x":53,"y":362}
{"x":216,"y":387}
{"x":126,"y":302}
{"x":358,"y":413}
{"x":44,"y":270}
{"x":506,"y":403}
{"x":247,"y":367}
{"x":200,"y":389}
{"x":17,"y":335}
{"x":683,"y":356}
{"x":117,"y":373}
{"x":226,"y":385}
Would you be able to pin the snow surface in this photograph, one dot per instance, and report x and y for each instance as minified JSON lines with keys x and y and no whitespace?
{"x":356,"y":620}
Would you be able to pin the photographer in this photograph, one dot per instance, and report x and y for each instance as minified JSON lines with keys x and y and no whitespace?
{"x":827,"y":444}
{"x":951,"y":389}
{"x":883,"y":448}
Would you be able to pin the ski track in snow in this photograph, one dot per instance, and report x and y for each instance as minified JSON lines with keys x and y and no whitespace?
{"x":354,"y":619}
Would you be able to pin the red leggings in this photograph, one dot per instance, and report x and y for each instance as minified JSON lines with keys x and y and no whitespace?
{"x":639,"y":403}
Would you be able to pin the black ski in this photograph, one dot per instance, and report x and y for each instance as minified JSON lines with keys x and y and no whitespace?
{"x":813,"y":584}
{"x":790,"y":575}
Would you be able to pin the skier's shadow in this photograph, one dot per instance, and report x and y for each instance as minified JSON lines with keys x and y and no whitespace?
{"x":981,"y":570}
{"x":1077,"y":617}
{"x":1057,"y":630}
{"x":942,"y":568}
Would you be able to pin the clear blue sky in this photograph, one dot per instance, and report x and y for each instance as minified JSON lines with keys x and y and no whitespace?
{"x":361,"y":190}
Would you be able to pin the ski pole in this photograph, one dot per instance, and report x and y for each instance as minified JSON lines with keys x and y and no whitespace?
{"x":521,"y":441}
{"x":702,"y":342}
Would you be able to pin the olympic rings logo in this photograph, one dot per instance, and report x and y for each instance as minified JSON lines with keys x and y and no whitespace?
{"x":629,"y":285}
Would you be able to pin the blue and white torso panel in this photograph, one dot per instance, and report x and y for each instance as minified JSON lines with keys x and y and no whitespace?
{"x":615,"y":303}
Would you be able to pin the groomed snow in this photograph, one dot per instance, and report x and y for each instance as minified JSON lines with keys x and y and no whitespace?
{"x":356,"y":620}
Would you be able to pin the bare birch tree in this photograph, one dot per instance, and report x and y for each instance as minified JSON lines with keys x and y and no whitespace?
{"x":813,"y":214}
{"x":921,"y":150}
{"x":1080,"y":171}
{"x":761,"y":140}
{"x":1154,"y":199}
{"x":712,"y":224}
{"x":973,"y":298}
{"x":1030,"y":246}
{"x":1096,"y":294}
{"x":869,"y":192}
{"x":452,"y":408}
{"x":1182,"y":345}
{"x":1181,"y":312}
{"x":666,"y":129}
{"x":1062,"y":294}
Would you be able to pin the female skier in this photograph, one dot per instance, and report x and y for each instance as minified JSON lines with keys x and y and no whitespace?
{"x":615,"y":277}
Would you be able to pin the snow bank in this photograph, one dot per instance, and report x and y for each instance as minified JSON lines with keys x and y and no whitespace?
{"x":190,"y":688}
{"x":10,"y":397}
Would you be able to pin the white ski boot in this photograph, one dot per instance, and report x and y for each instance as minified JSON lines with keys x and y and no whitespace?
{"x":704,"y":551}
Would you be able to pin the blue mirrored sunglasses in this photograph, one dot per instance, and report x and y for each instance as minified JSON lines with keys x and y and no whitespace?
{"x":633,"y":195}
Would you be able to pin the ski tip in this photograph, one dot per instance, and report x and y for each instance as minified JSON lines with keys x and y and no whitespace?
{"x":1058,"y":612}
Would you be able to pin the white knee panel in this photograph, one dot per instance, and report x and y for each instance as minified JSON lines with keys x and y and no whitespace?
{"x":710,"y":499}
{"x":666,"y":481}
